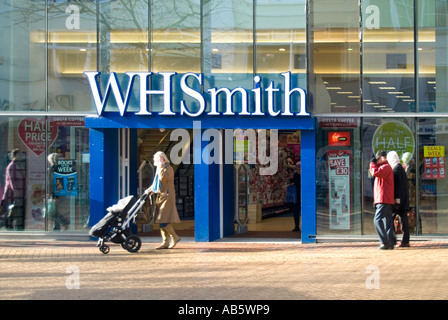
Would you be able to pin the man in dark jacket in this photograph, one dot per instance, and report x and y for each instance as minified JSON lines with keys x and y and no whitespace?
{"x":401,"y":195}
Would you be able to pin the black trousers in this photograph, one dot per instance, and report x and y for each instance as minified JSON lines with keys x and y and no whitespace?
{"x":404,"y":224}
{"x":296,"y":213}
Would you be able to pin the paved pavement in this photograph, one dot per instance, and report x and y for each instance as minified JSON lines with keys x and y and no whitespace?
{"x":222,"y":270}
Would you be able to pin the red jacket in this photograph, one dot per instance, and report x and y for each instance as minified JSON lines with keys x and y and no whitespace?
{"x":383,"y":188}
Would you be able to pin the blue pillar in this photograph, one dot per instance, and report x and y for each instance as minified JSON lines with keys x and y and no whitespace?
{"x":133,"y":168}
{"x":207,"y":204}
{"x":228,"y":186}
{"x":229,"y":200}
{"x":103,"y":172}
{"x":308,"y":185}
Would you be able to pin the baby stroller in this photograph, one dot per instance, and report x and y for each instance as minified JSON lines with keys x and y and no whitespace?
{"x":115,"y":226}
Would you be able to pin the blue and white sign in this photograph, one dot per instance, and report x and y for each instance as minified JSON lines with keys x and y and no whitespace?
{"x":293,"y":98}
{"x":65,"y":181}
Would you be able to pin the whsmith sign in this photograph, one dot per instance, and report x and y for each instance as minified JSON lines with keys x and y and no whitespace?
{"x":123,"y":98}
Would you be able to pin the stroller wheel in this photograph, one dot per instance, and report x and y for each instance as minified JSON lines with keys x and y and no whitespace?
{"x":132,"y":244}
{"x":105,"y":249}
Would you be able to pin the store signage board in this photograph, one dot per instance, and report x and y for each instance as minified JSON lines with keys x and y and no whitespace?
{"x":122,"y":98}
{"x":434,"y":162}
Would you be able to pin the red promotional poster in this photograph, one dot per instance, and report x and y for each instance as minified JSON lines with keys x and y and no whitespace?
{"x":33,"y":133}
{"x":434,"y":162}
{"x":339,"y":189}
{"x":434,"y":168}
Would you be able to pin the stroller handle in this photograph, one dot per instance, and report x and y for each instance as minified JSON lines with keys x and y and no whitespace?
{"x":144,"y":196}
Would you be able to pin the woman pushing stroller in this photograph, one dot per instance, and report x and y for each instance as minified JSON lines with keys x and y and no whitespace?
{"x":166,"y":211}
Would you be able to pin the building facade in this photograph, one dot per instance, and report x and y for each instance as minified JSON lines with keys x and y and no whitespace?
{"x":242,"y":91}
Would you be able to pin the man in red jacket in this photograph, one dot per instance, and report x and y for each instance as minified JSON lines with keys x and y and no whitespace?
{"x":383,"y":197}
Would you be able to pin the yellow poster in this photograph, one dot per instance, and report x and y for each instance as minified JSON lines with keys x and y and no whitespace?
{"x":434,"y":151}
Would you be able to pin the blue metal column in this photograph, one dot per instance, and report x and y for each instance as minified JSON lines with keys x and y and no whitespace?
{"x":133,"y":168}
{"x":206,"y":193}
{"x":103,"y":172}
{"x":308,"y":185}
{"x":229,"y":200}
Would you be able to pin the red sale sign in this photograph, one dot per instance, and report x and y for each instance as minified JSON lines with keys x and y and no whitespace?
{"x":34,"y":134}
{"x":339,"y":189}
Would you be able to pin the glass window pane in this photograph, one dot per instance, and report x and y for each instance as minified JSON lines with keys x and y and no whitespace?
{"x":72,"y":49}
{"x":68,"y":174}
{"x":432,"y":56}
{"x":388,"y":56}
{"x":334,"y":56}
{"x":391,"y":135}
{"x":123,"y":36}
{"x":433,"y":200}
{"x":22,"y":56}
{"x":281,"y":42}
{"x":123,"y":43}
{"x":176,"y":36}
{"x":32,"y":176}
{"x":228,"y":45}
{"x":175,"y":47}
{"x":338,"y":186}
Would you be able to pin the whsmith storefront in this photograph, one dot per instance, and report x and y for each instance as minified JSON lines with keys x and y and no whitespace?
{"x":239,"y":94}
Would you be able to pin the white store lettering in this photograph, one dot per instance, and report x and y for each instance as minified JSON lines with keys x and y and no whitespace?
{"x":122,"y":100}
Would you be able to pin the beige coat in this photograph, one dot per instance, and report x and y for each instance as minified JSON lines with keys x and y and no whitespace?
{"x":166,"y":211}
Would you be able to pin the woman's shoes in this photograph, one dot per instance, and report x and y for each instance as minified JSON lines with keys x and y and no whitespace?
{"x":168,"y":234}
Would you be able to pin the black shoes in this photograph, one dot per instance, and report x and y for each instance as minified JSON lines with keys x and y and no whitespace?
{"x":386,"y":247}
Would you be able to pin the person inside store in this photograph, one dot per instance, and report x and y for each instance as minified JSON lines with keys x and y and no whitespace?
{"x":166,"y":212}
{"x":14,"y":190}
{"x":383,"y":197}
{"x":297,"y":207}
{"x":401,"y":195}
{"x":60,"y":221}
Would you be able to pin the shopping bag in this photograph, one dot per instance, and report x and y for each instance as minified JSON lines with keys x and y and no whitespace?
{"x":397,"y":225}
{"x":146,"y":214}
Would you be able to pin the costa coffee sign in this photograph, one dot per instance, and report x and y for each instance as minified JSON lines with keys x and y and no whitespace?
{"x":294,"y":99}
